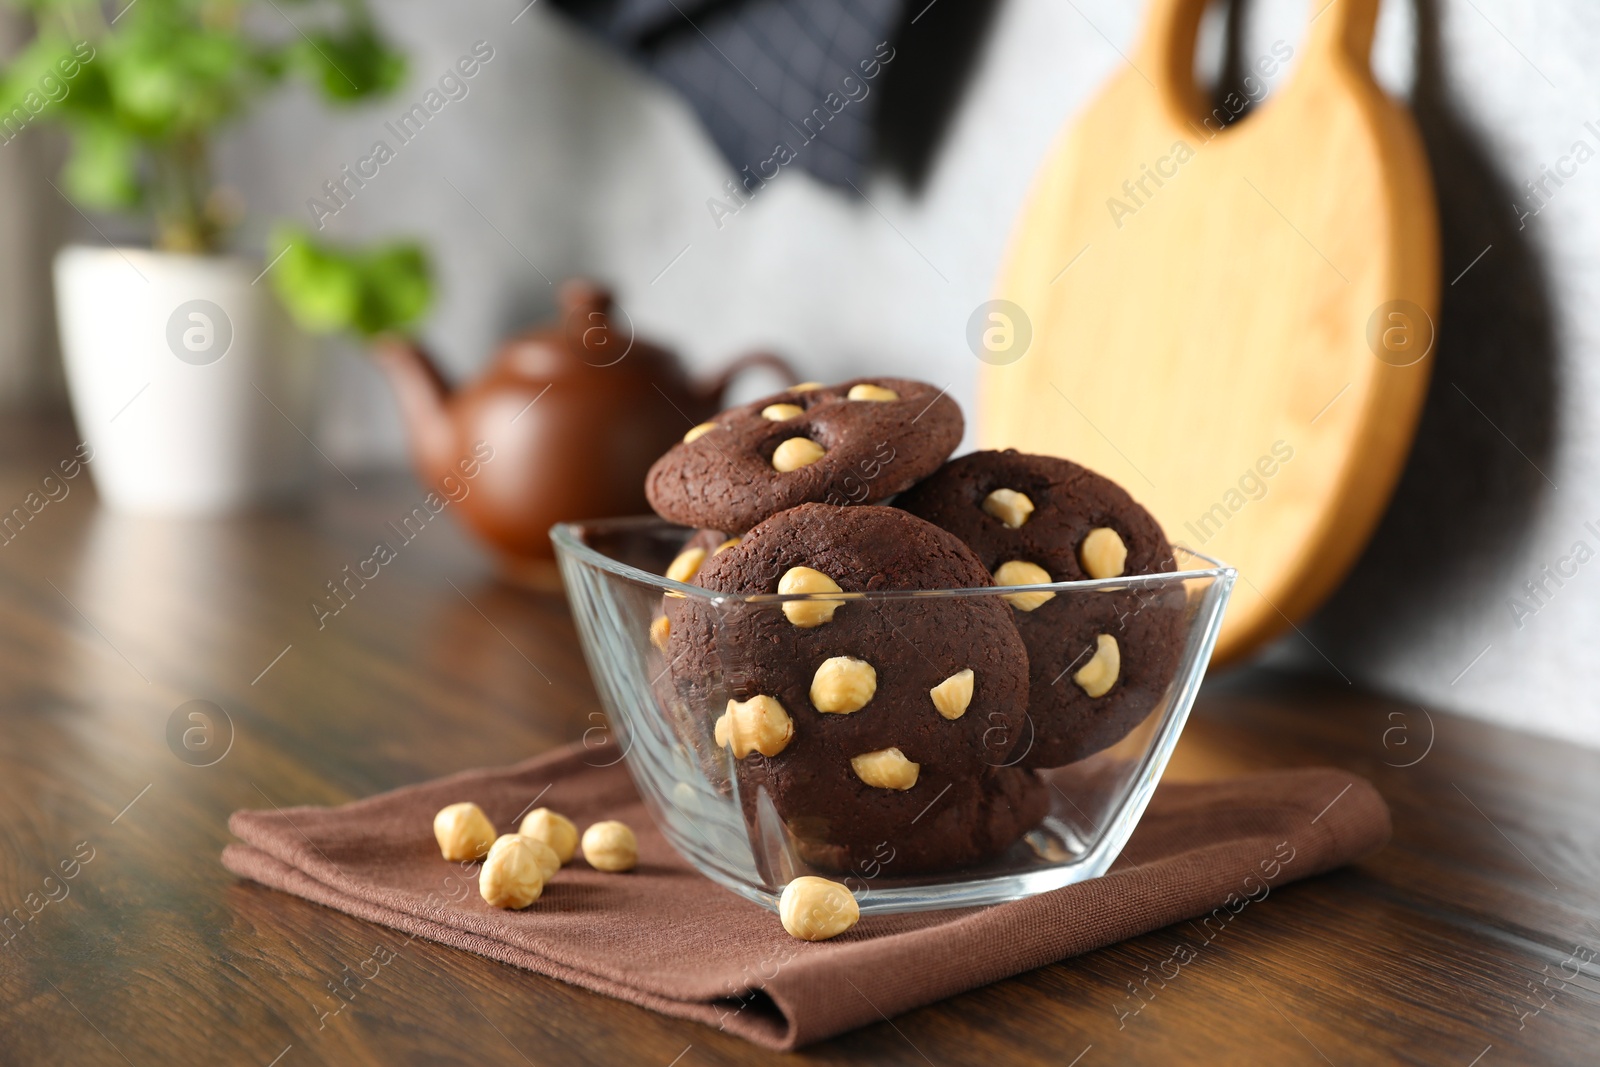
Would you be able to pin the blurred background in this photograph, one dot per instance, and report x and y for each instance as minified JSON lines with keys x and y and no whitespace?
{"x":576,"y":149}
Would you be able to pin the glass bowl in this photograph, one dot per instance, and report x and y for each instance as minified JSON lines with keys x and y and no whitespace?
{"x":664,"y":721}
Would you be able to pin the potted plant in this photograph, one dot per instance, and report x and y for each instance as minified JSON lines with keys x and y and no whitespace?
{"x":185,"y":376}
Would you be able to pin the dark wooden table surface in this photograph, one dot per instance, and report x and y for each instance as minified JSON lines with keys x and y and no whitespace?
{"x":1472,"y":940}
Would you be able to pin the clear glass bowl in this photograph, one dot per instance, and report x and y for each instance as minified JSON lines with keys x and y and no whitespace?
{"x":664,"y":725}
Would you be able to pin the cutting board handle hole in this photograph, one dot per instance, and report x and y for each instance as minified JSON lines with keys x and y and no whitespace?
{"x":1199,"y":56}
{"x":1227,"y":83}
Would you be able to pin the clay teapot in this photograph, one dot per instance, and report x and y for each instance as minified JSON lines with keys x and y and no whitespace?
{"x":562,"y":426}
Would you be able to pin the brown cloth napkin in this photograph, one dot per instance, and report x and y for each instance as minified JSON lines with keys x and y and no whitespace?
{"x":665,"y":937}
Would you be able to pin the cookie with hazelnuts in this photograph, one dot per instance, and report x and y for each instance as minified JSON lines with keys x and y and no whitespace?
{"x":873,"y":726}
{"x":1098,"y":662}
{"x":857,"y":442}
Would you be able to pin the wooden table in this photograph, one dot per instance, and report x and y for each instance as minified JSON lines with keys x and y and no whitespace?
{"x":1471,"y":940}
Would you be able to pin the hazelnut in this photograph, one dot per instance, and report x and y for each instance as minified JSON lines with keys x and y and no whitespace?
{"x":549,"y":862}
{"x":886,"y":769}
{"x":686,"y":565}
{"x":1098,"y":675}
{"x":756,"y":725}
{"x":843,"y":684}
{"x":1102,"y":553}
{"x":795,"y":453}
{"x":871,"y":392}
{"x":805,"y":387}
{"x":781,"y":412}
{"x":1009,"y":506}
{"x":697,"y":432}
{"x":512,"y":876}
{"x":610,"y":846}
{"x":463,"y":831}
{"x":1020,"y":572}
{"x":815,"y":909}
{"x":687,"y":799}
{"x":552,"y":828}
{"x":660,"y":630}
{"x":953,"y":695}
{"x":1048,"y":848}
{"x":808,"y":613}
{"x":729,"y":543}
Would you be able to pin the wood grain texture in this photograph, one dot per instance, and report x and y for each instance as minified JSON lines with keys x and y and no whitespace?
{"x":1434,"y":950}
{"x":1200,"y":293}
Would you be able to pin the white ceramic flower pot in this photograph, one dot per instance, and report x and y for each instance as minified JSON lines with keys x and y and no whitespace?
{"x":187,"y":380}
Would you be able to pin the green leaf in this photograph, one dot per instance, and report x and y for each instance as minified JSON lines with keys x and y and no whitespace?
{"x":328,"y":290}
{"x":349,"y":66}
{"x":90,"y":95}
{"x":397,"y":288}
{"x":35,"y":87}
{"x":103,"y":170}
{"x":172,"y":78}
{"x":321,"y":292}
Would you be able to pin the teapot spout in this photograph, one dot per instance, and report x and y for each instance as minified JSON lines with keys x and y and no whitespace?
{"x":423,"y":395}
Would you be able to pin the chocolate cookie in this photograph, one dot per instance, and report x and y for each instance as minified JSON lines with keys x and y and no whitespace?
{"x":853,"y":443}
{"x":1035,"y":519}
{"x":954,"y":825}
{"x":855,"y":716}
{"x":674,"y":694}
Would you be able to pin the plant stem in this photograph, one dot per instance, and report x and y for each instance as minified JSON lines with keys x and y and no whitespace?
{"x":182,"y":179}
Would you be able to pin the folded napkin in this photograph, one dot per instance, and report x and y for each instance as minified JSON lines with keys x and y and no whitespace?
{"x":664,"y":937}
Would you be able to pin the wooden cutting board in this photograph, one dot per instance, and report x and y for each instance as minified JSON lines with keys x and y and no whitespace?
{"x":1234,"y":319}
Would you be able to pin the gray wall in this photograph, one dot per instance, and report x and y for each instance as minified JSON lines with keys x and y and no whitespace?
{"x":563,"y":160}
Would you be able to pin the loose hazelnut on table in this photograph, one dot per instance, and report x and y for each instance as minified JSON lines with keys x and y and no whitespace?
{"x":781,"y":412}
{"x":696,"y":432}
{"x":1021,"y":572}
{"x":843,"y":685}
{"x":549,"y":862}
{"x":808,"y":613}
{"x":953,"y":695}
{"x":686,"y":565}
{"x":554,"y":829}
{"x":759,"y":724}
{"x":1102,"y":553}
{"x":871,"y":392}
{"x":463,"y":831}
{"x":815,"y":909}
{"x":1009,"y":506}
{"x":512,"y":876}
{"x":886,"y":769}
{"x":795,"y":453}
{"x":1098,"y":675}
{"x":610,"y":846}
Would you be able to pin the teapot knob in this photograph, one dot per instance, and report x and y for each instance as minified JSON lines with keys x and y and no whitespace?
{"x":586,"y":314}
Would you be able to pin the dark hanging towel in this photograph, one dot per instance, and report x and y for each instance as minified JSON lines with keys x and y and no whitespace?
{"x":825,"y":85}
